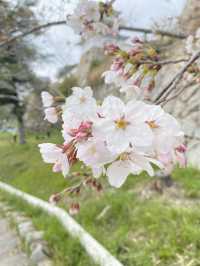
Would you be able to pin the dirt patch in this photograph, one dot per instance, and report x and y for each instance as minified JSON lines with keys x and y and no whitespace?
{"x":169,"y":191}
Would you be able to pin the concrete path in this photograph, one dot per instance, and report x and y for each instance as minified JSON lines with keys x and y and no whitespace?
{"x":10,"y":252}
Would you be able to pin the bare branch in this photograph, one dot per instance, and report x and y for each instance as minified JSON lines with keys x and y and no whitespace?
{"x":166,"y":62}
{"x":176,"y":79}
{"x":165,"y":100}
{"x":159,"y":32}
{"x":34,"y":30}
{"x":192,"y":137}
{"x":63,"y":22}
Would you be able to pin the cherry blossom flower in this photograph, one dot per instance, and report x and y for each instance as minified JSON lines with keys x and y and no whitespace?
{"x":131,"y":162}
{"x":81,"y":103}
{"x":122,"y":126}
{"x":55,"y":155}
{"x":176,"y":156}
{"x":91,"y":19}
{"x":164,"y":126}
{"x":47,"y":99}
{"x":114,"y":138}
{"x":95,"y":154}
{"x":51,"y":115}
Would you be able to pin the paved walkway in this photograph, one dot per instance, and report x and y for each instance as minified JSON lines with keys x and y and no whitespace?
{"x":10,"y":252}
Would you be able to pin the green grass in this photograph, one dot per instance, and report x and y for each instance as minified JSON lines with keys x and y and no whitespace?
{"x":65,"y":251}
{"x":138,"y":232}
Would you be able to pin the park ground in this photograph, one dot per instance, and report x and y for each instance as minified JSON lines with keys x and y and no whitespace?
{"x":142,"y":223}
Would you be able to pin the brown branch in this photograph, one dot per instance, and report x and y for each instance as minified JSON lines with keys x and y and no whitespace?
{"x":166,"y":62}
{"x":164,"y":101}
{"x":176,"y":79}
{"x":159,"y":32}
{"x":63,"y":22}
{"x":34,"y":30}
{"x":192,"y":137}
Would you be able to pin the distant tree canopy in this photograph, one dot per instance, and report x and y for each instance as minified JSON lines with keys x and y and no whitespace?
{"x":16,"y":76}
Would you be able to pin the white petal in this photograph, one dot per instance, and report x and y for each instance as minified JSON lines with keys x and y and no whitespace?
{"x":64,"y":165}
{"x":117,"y":173}
{"x":97,"y":171}
{"x":113,"y":107}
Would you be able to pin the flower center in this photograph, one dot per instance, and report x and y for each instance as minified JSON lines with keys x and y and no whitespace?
{"x":93,"y":150}
{"x":124,"y":156}
{"x":82,"y":99}
{"x":152,"y":124}
{"x":121,"y":123}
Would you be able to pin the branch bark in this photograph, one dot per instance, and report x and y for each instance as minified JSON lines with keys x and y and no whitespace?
{"x":33,"y":30}
{"x":63,"y":22}
{"x":164,"y":62}
{"x":159,"y":32}
{"x":176,"y":79}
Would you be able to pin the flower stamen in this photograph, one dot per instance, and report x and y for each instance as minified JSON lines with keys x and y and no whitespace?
{"x":121,"y":123}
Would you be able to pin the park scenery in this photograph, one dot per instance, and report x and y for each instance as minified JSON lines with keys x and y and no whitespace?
{"x":99,"y":133}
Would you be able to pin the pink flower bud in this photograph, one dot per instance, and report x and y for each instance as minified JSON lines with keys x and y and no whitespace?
{"x":111,"y":48}
{"x":74,"y":209}
{"x":55,"y":198}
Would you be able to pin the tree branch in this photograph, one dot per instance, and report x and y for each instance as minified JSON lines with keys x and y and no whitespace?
{"x":164,"y":62}
{"x":33,"y":30}
{"x":159,"y":32}
{"x":166,"y":100}
{"x":192,"y":137}
{"x":63,"y":22}
{"x":176,"y":79}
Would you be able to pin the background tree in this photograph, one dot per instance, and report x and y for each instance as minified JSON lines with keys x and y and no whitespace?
{"x":16,"y":76}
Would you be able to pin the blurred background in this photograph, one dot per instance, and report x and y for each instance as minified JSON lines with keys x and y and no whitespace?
{"x":147,"y":222}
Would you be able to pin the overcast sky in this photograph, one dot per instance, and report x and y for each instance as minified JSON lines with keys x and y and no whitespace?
{"x":58,"y":44}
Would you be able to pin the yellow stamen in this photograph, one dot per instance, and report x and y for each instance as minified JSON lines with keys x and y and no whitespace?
{"x":93,"y":150}
{"x":82,"y":99}
{"x":121,"y":123}
{"x":152,"y":124}
{"x":124,"y":156}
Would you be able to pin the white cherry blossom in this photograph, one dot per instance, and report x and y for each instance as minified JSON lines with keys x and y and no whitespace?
{"x":92,"y":18}
{"x":131,"y":162}
{"x":51,"y":115}
{"x":53,"y":154}
{"x":95,"y":154}
{"x":81,"y":103}
{"x":47,"y":99}
{"x":164,"y":126}
{"x":122,"y":125}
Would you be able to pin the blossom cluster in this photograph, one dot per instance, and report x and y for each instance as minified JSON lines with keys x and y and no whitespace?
{"x":91,"y":18}
{"x":192,"y":45}
{"x":114,"y":139}
{"x":133,"y":70}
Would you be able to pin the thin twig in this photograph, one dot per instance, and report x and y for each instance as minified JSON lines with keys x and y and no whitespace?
{"x":63,"y":22}
{"x":159,"y":32}
{"x":33,"y":30}
{"x":164,"y":101}
{"x":166,"y":62}
{"x":176,"y":79}
{"x":192,"y":137}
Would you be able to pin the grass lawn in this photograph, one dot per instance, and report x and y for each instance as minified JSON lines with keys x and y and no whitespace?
{"x":161,"y":230}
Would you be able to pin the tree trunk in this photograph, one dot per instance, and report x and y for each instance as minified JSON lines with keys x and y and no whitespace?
{"x":19,"y":112}
{"x":21,"y":130}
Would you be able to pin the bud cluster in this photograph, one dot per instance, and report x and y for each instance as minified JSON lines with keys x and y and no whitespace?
{"x":92,"y":18}
{"x":133,"y":70}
